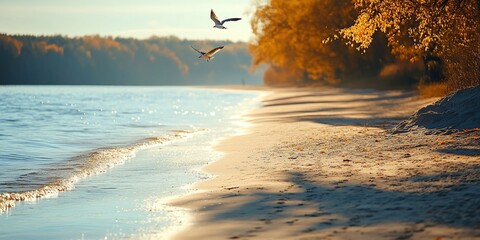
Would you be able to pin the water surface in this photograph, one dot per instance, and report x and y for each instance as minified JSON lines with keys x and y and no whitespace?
{"x":95,"y":162}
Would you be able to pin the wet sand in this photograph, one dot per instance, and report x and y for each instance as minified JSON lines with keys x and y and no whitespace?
{"x":323,"y":164}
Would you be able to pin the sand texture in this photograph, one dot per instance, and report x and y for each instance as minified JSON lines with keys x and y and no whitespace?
{"x":324,"y":164}
{"x":455,"y":112}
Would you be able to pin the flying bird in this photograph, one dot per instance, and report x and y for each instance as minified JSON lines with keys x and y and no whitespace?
{"x":209,"y":54}
{"x":218,"y":23}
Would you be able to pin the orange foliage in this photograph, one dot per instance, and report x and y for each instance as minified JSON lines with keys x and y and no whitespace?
{"x":299,"y":36}
{"x":96,"y":42}
{"x":12,"y":43}
{"x":463,"y":65}
{"x":441,"y":33}
{"x":415,"y":27}
{"x":44,"y":47}
{"x":123,"y":61}
{"x":277,"y":76}
{"x":156,"y":49}
{"x":183,"y":67}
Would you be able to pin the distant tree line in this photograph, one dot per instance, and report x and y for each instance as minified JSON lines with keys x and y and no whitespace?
{"x":424,"y":42}
{"x":96,"y":60}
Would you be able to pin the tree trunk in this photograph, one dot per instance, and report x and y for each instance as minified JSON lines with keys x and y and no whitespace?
{"x":433,"y":69}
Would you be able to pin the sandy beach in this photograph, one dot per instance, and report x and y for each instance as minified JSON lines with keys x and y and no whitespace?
{"x":324,"y":164}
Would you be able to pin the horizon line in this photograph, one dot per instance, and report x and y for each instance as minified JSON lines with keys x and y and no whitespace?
{"x":153,"y":36}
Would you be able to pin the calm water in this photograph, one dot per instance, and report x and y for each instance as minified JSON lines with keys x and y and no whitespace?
{"x":96,"y":162}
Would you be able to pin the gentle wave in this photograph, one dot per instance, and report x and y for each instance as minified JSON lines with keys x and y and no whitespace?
{"x":80,"y":167}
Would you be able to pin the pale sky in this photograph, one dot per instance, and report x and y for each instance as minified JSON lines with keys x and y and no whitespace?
{"x":127,"y":18}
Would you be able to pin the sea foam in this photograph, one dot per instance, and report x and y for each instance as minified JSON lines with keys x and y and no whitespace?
{"x":96,"y":162}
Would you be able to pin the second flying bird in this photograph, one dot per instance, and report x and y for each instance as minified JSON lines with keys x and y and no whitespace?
{"x":218,"y":24}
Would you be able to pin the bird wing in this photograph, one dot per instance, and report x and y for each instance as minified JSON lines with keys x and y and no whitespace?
{"x":214,"y":18}
{"x":215,"y":50}
{"x":197,"y":50}
{"x":230,"y":19}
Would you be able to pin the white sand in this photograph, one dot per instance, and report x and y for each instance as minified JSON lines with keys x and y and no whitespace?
{"x":321,"y":164}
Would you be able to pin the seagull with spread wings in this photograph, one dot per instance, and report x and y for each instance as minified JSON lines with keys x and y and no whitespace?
{"x":218,"y":23}
{"x":208,"y":55}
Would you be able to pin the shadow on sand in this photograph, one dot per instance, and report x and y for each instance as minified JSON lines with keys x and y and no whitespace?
{"x":360,"y":108}
{"x":360,"y":95}
{"x":310,"y":206}
{"x":350,"y":205}
{"x":461,"y":151}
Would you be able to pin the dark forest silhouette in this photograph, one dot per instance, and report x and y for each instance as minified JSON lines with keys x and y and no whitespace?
{"x":96,"y":60}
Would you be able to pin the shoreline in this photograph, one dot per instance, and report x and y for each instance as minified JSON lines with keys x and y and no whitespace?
{"x":164,"y":155}
{"x":320,"y":163}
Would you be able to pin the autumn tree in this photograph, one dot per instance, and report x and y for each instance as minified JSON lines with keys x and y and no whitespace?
{"x":444,"y":34}
{"x":299,"y":42}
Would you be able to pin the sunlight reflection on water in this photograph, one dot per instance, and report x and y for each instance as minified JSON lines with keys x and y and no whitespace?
{"x":43,"y":128}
